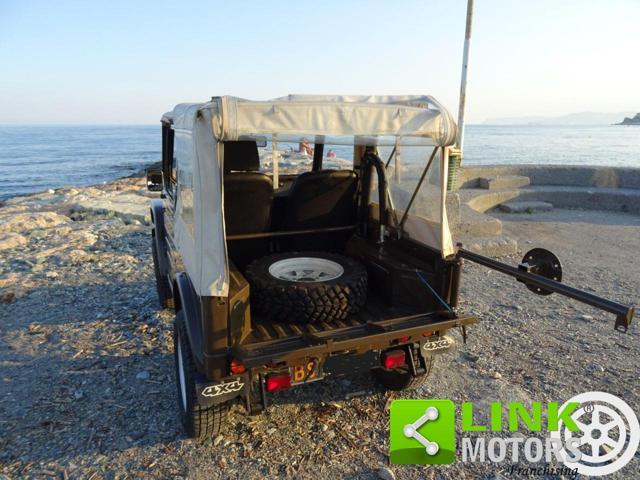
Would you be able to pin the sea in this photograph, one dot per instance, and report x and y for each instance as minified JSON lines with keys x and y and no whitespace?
{"x":37,"y":158}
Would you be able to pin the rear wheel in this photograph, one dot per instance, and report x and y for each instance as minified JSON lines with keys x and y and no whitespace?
{"x":162,"y":284}
{"x":198,"y":421}
{"x":401,"y":378}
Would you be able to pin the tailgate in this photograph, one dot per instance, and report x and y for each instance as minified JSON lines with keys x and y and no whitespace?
{"x":373,"y":335}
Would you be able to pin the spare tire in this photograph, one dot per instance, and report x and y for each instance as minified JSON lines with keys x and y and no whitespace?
{"x":306,"y":287}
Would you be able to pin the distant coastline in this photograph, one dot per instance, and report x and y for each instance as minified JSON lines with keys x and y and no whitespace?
{"x":572,"y":119}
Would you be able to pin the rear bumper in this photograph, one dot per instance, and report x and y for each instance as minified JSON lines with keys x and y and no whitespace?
{"x":348,"y":350}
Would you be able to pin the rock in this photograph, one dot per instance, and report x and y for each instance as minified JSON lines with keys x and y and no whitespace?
{"x":631,"y":121}
{"x":7,"y":297}
{"x":497,"y":375}
{"x":470,"y":356}
{"x":11,"y":240}
{"x":78,"y":394}
{"x":127,"y":206}
{"x":586,"y":318}
{"x":386,"y":473}
{"x":29,"y":221}
{"x":217,"y":440}
{"x":143,"y":375}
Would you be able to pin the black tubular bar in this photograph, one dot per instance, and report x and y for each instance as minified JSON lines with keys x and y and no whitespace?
{"x":624,"y":313}
{"x":386,"y":165}
{"x":415,"y":191}
{"x":370,"y":161}
{"x":318,"y":152}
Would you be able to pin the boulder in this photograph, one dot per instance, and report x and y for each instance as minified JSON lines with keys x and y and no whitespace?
{"x":24,"y":222}
{"x":11,"y":240}
{"x":127,"y":206}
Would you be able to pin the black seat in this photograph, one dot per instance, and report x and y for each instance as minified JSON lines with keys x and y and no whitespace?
{"x":248,"y":195}
{"x":321,"y":199}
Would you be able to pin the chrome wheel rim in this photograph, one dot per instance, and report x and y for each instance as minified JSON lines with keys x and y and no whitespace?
{"x":306,"y":269}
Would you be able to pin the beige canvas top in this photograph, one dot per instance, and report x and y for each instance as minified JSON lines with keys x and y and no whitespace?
{"x":371,"y":120}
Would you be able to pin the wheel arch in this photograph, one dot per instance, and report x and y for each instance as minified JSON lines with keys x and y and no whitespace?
{"x":187,"y":301}
{"x":157,"y":220}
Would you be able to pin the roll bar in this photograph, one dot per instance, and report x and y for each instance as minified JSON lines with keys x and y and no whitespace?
{"x":369,"y":161}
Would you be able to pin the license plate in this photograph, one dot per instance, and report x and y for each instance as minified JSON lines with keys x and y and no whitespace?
{"x":306,"y":372}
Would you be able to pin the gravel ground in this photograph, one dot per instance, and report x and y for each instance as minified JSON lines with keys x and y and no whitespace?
{"x":87,"y":388}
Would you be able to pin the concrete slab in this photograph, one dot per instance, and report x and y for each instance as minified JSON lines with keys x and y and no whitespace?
{"x":472,"y":223}
{"x":503,"y":181}
{"x":525,"y":206}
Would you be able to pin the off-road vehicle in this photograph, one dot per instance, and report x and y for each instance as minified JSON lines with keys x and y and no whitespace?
{"x":285,"y":267}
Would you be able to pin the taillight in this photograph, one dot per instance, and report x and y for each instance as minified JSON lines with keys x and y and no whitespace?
{"x":404,"y":339}
{"x":237,"y":368}
{"x":393,"y":359}
{"x":277,"y":382}
{"x":428,"y":333}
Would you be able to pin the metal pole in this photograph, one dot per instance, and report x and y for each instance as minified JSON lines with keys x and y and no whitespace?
{"x":463,"y":80}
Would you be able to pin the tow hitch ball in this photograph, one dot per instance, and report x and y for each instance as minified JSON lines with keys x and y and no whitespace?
{"x":541,"y":271}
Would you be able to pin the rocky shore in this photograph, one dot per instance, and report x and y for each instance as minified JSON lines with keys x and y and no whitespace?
{"x":87,"y":387}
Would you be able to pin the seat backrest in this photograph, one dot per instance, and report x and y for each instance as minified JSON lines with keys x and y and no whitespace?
{"x":247,"y":202}
{"x":241,"y":156}
{"x":321,"y":199}
{"x":248,"y":197}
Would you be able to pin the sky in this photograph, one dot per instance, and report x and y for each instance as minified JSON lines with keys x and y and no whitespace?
{"x":130,"y":61}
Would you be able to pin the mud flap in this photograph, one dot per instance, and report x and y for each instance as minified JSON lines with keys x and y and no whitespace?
{"x":213,"y":393}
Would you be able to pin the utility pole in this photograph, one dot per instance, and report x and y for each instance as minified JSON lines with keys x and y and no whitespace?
{"x":463,"y":80}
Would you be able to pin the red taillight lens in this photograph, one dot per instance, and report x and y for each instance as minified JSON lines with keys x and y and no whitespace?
{"x":237,"y":368}
{"x":394,"y":359}
{"x":277,"y":382}
{"x":404,"y":339}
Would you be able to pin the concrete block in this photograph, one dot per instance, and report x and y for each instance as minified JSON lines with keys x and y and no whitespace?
{"x":525,"y":207}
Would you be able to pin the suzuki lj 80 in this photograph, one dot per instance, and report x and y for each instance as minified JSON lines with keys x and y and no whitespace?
{"x":307,"y":236}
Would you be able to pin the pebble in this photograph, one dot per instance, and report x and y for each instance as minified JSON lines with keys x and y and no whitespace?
{"x":497,"y":375}
{"x":472,"y":357}
{"x":143,"y":375}
{"x":386,"y":473}
{"x":586,"y":318}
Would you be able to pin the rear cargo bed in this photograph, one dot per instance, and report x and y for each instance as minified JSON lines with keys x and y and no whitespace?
{"x":374,"y":310}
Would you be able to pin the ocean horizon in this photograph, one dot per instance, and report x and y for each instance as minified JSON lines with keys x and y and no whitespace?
{"x":35,"y":158}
